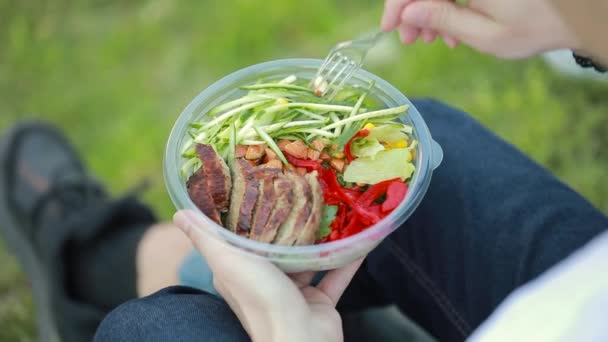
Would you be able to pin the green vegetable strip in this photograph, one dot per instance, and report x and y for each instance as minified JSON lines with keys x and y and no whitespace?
{"x":312,"y":106}
{"x":273,"y":146}
{"x":187,"y":145}
{"x":273,"y":127}
{"x":190,"y":166}
{"x":318,"y":132}
{"x":277,"y":86}
{"x":231,"y":113}
{"x":191,"y":153}
{"x":370,"y":115}
{"x":347,"y":134}
{"x":311,"y":114}
{"x":235,"y":103}
{"x":233,"y":142}
{"x":357,"y":106}
{"x":247,"y":131}
{"x":335,"y":118}
{"x":305,"y":123}
{"x":287,"y":137}
{"x":329,"y":214}
{"x":201,"y":137}
{"x":288,"y":80}
{"x":252,"y":142}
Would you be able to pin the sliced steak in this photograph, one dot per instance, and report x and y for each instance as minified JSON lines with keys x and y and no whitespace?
{"x":243,"y":198}
{"x":309,"y":233}
{"x":218,"y":176}
{"x":281,"y":210}
{"x":292,"y":228}
{"x":265,"y":202}
{"x":199,"y":193}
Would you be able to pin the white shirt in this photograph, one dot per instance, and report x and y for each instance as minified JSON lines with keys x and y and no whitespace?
{"x":569,"y":302}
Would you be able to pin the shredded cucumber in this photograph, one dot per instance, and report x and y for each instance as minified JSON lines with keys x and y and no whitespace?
{"x":369,"y":115}
{"x":273,"y":146}
{"x":277,"y":86}
{"x":286,"y":109}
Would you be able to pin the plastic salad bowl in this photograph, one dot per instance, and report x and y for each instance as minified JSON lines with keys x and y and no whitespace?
{"x":318,"y":257}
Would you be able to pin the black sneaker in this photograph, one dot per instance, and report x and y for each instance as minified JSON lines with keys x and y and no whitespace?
{"x":43,"y":185}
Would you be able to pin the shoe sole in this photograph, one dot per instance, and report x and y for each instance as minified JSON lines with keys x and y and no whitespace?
{"x":22,"y":249}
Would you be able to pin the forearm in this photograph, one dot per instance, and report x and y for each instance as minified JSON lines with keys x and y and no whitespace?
{"x":587,"y":19}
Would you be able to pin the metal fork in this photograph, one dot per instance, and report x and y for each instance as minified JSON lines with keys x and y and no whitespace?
{"x":343,"y":61}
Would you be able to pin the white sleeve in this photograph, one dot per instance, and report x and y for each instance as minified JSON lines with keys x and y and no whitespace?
{"x":567,"y":303}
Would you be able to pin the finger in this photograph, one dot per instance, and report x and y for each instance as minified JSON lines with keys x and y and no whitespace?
{"x":392,"y":13}
{"x":428,"y":35}
{"x":451,"y":19}
{"x":450,"y":41}
{"x":229,"y":263}
{"x":335,"y":282}
{"x":408,"y":34}
{"x":191,"y":223}
{"x":302,"y":279}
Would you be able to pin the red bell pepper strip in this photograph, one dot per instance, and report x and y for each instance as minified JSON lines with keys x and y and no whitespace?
{"x":309,"y":165}
{"x":334,"y":186}
{"x":394,"y":195}
{"x":347,"y":148}
{"x":331,"y":200}
{"x":353,"y":227}
{"x":334,"y":235}
{"x":377,"y":209}
{"x":352,"y":193}
{"x":375,"y":191}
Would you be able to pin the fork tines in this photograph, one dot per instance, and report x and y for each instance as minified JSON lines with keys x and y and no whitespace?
{"x":333,"y":73}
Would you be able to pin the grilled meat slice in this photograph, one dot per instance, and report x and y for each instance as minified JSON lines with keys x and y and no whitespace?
{"x":243,"y":198}
{"x":199,"y":193}
{"x":308,"y":235}
{"x":291,"y":229}
{"x":281,"y":210}
{"x":218,"y":176}
{"x":265,"y":203}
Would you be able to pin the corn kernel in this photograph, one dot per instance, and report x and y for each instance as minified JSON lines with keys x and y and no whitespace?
{"x":339,"y":155}
{"x":369,"y":126}
{"x":399,"y":144}
{"x":282,"y":101}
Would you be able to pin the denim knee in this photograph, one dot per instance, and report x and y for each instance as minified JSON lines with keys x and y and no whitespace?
{"x":173,"y":314}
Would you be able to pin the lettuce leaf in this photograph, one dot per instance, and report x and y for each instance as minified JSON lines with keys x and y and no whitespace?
{"x":329,"y":215}
{"x":366,"y":147}
{"x":390,"y":133}
{"x":384,"y":166}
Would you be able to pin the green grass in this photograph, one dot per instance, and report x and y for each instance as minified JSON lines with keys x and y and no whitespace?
{"x":114,"y":75}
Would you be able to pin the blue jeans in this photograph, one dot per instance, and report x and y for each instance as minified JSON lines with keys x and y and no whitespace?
{"x":491,"y":221}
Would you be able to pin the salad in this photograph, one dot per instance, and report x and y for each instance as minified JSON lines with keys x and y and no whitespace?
{"x":283,"y":166}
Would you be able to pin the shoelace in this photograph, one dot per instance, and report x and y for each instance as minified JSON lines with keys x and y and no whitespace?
{"x":71,"y":193}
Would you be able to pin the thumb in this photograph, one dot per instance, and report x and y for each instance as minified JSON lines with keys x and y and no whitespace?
{"x":228,"y":263}
{"x":460,"y":22}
